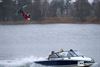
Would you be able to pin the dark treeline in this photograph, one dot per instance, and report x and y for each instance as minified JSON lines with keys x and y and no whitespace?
{"x":39,"y":9}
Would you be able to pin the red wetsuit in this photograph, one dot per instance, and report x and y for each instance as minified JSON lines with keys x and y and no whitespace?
{"x":25,"y":15}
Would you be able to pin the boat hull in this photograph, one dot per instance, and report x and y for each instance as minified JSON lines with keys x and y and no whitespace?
{"x":62,"y":62}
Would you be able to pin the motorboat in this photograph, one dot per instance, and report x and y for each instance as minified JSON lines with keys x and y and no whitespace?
{"x":69,"y":58}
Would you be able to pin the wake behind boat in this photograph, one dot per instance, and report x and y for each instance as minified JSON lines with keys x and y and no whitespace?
{"x":66,"y":58}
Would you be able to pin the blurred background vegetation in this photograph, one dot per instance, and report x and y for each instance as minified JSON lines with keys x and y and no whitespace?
{"x":50,"y":11}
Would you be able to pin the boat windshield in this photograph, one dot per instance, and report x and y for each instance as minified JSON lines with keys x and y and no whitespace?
{"x":67,"y":54}
{"x":63,"y":54}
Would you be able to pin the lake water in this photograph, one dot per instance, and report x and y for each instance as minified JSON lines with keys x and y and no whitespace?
{"x":20,"y":45}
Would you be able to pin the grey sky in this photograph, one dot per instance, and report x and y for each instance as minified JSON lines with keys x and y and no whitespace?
{"x":72,"y":0}
{"x":89,"y":0}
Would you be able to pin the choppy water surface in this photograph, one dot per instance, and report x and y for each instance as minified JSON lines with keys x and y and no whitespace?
{"x":21,"y":45}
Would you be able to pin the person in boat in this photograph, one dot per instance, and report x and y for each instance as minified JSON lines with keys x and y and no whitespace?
{"x":25,"y":15}
{"x":61,"y":53}
{"x":53,"y":55}
{"x":61,"y":50}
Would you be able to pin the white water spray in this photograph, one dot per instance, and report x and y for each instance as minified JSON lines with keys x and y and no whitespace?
{"x":20,"y":62}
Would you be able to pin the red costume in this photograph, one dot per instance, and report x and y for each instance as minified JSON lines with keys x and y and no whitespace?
{"x":25,"y":15}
